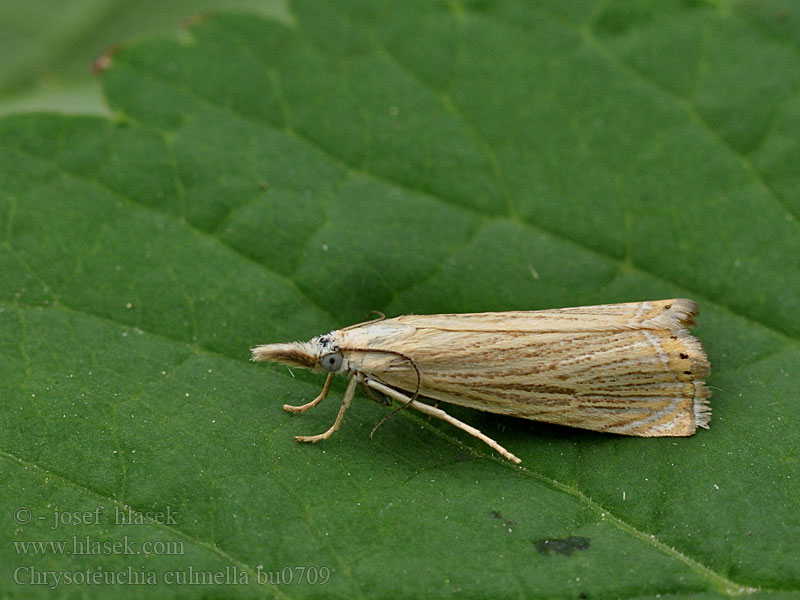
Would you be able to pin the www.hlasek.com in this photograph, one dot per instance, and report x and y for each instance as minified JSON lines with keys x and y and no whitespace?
{"x":86,"y":545}
{"x":231,"y":575}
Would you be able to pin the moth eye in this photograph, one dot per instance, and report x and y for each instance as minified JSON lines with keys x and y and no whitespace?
{"x":332,"y":362}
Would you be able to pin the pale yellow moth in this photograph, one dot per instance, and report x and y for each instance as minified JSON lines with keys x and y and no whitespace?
{"x":630,"y":368}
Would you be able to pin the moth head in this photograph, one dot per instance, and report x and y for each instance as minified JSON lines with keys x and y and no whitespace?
{"x":319,"y":353}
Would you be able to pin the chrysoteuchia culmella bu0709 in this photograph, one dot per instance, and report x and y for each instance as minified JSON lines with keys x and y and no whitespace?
{"x":630,"y":368}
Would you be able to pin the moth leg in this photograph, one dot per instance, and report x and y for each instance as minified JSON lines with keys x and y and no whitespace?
{"x":440,"y":414}
{"x":383,"y":400}
{"x":346,"y":400}
{"x":315,"y":401}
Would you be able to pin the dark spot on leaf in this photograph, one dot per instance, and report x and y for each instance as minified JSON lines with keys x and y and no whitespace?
{"x":687,"y":372}
{"x":498,"y":515}
{"x":564,"y":547}
{"x":684,"y":355}
{"x":667,"y":306}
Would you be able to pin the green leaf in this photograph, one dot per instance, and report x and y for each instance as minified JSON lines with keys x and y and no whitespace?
{"x":264,"y":182}
{"x":49,"y":46}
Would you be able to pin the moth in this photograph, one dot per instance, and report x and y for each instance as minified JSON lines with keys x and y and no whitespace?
{"x":631,"y":369}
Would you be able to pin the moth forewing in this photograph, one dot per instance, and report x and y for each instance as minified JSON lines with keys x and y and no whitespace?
{"x":628,"y":368}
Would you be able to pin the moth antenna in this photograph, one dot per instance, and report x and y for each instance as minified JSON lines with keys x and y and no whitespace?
{"x":379,"y":318}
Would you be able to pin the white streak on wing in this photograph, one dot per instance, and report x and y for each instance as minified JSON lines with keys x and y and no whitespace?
{"x":654,"y":341}
{"x":637,"y":317}
{"x":667,"y":426}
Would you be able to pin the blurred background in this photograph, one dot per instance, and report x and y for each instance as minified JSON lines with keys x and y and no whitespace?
{"x":48,"y":46}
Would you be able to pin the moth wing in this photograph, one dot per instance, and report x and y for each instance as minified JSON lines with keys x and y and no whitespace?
{"x":634,"y":371}
{"x":662,"y":314}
